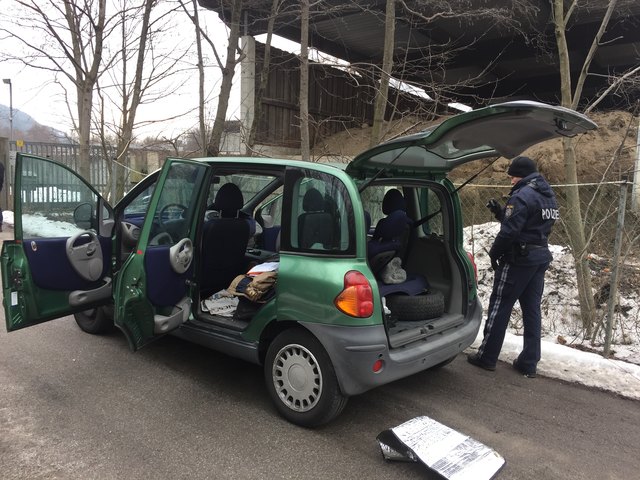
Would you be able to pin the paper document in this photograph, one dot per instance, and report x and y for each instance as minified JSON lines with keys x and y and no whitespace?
{"x":264,"y":267}
{"x":452,"y":454}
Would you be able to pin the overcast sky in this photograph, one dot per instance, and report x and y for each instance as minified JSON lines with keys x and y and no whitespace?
{"x":35,"y":93}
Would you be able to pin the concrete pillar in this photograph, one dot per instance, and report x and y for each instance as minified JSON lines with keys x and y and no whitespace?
{"x":635,"y":192}
{"x":247,"y":87}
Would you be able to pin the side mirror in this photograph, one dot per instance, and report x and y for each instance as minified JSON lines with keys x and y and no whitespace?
{"x":83,"y":216}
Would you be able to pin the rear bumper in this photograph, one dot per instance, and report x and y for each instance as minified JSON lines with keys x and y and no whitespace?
{"x":354,"y":350}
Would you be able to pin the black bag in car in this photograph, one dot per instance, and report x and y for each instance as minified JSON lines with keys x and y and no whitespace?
{"x":246,"y":309}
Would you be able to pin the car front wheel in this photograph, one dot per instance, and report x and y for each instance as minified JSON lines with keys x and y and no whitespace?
{"x":301,"y":379}
{"x":96,"y":320}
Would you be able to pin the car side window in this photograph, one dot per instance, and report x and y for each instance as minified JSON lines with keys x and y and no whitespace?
{"x":138,"y":207}
{"x":321,"y":215}
{"x":271,"y":212}
{"x":177,"y":204}
{"x":55,"y":201}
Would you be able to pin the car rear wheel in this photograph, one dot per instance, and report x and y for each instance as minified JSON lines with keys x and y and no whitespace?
{"x":96,"y":320}
{"x":301,"y":379}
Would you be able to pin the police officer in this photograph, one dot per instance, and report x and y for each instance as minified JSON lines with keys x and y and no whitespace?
{"x":519,"y":257}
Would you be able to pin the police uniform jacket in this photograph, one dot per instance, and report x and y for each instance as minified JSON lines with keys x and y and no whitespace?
{"x":526,"y":224}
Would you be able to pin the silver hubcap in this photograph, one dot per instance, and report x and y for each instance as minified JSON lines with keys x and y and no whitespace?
{"x":297,"y":378}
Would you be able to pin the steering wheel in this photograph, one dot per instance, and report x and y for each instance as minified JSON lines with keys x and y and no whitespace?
{"x":167,"y":210}
{"x":162,"y":238}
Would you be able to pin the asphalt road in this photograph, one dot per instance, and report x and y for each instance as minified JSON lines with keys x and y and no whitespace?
{"x":76,"y":406}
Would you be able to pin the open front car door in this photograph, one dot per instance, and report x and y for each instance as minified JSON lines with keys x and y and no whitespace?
{"x":60,"y":260}
{"x":152,"y":292}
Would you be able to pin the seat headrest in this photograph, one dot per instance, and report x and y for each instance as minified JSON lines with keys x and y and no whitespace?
{"x":313,"y":201}
{"x":228,"y":200}
{"x":393,"y":200}
{"x":392,"y":226}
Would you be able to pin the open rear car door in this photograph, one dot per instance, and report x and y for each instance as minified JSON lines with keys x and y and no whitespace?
{"x":60,"y":260}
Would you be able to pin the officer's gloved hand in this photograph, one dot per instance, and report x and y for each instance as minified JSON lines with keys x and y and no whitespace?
{"x":495,"y":264}
{"x":496,"y":209}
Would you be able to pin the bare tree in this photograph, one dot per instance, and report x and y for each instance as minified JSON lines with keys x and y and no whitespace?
{"x":202,"y":134}
{"x":141,"y":73}
{"x":67,"y":41}
{"x":570,"y":97}
{"x":390,"y":86}
{"x":213,"y":147}
{"x":195,"y":19}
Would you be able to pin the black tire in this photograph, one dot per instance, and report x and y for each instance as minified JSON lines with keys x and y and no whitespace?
{"x":96,"y":321}
{"x":418,"y":307}
{"x":301,"y":380}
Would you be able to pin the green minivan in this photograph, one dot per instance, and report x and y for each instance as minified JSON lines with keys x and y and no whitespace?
{"x":336,"y":279}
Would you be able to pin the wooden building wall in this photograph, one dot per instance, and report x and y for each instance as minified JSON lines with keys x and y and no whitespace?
{"x":336,"y":100}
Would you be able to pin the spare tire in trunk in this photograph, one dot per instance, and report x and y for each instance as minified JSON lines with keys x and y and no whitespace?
{"x":418,"y":307}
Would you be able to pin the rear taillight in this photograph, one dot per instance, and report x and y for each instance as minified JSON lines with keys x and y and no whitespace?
{"x":356,"y":299}
{"x":475,"y":268}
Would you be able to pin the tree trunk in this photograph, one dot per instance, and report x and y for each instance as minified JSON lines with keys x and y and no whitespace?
{"x":86,"y":75}
{"x":577,"y":239}
{"x":213,"y":148}
{"x":573,"y":218}
{"x":387,"y":64}
{"x":305,"y":150}
{"x":202,"y":136}
{"x":131,"y":98}
{"x":85,"y":104}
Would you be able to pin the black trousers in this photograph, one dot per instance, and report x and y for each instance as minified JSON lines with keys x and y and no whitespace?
{"x":524,"y":283}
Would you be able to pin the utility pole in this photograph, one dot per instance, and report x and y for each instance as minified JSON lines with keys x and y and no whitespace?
{"x":8,"y":82}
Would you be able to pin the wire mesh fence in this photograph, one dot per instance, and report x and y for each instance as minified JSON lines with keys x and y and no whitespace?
{"x":599,"y":206}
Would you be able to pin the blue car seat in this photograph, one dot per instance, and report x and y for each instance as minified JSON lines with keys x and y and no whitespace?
{"x":391,"y":232}
{"x":389,"y":241}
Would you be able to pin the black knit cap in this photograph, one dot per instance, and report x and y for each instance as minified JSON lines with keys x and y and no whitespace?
{"x":521,"y":167}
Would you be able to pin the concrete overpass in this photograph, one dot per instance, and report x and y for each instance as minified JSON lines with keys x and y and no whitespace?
{"x":465,"y":57}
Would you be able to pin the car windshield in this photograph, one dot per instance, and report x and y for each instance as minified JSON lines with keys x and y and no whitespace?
{"x":250,"y":185}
